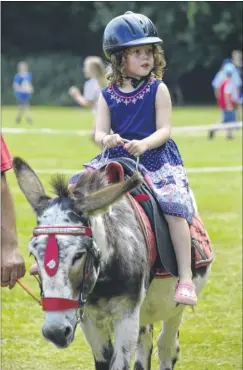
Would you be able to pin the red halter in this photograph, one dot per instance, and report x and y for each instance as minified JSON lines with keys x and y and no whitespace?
{"x":51,"y":262}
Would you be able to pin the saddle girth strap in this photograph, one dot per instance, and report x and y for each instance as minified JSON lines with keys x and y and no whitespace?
{"x":146,"y":229}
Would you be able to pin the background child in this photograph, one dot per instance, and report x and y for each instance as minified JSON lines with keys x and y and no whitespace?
{"x":23,"y":89}
{"x":137,"y":106}
{"x":238,"y":62}
{"x":94,"y":71}
{"x":220,"y":76}
{"x":227,"y":99}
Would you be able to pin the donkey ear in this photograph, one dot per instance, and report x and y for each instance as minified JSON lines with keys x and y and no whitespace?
{"x":30,"y":184}
{"x":99,"y":202}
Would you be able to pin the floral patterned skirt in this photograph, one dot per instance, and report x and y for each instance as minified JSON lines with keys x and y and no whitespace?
{"x":163,"y":170}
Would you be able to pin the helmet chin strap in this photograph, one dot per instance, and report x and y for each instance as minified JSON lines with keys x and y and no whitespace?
{"x":136,"y":81}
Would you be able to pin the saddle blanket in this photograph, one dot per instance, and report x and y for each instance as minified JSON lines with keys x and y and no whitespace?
{"x":202,"y":253}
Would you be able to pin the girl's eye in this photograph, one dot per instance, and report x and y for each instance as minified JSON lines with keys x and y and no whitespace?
{"x":77,"y":256}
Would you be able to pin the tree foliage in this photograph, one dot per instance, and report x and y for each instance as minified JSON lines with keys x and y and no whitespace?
{"x":197,"y":35}
{"x":194,"y":33}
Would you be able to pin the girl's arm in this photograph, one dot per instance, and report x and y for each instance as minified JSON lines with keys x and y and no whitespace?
{"x":103,"y":126}
{"x":228,"y":102}
{"x":163,"y":109}
{"x":103,"y":120}
{"x":78,"y":97}
{"x":17,"y":88}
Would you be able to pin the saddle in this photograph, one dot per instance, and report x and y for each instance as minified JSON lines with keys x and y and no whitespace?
{"x":154,"y":225}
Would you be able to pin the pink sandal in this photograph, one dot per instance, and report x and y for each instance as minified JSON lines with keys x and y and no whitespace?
{"x":185,"y":294}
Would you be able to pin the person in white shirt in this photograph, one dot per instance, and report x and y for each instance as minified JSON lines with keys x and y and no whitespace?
{"x":94,"y":71}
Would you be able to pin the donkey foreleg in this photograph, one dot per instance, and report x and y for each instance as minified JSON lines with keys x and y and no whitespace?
{"x":98,"y":337}
{"x":126,"y":337}
{"x":168,"y":342}
{"x":144,"y":348}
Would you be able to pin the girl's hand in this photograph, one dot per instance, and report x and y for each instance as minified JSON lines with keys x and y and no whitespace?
{"x":110,"y":141}
{"x":26,"y":87}
{"x":136,"y":147}
{"x":74,"y":91}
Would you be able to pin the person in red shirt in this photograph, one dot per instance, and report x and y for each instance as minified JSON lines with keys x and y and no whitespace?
{"x":12,"y":262}
{"x":227,"y":101}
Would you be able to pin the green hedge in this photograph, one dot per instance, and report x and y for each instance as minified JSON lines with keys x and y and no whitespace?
{"x":52,"y":74}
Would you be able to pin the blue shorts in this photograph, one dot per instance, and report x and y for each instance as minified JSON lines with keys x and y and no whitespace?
{"x":22,"y":98}
{"x":229,"y":116}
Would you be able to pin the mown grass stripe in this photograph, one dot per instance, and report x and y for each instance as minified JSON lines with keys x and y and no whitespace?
{"x":189,"y":170}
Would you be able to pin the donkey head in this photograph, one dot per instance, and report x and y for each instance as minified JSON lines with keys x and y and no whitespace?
{"x":62,"y":244}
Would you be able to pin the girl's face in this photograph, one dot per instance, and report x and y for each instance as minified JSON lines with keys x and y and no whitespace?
{"x":139,"y":61}
{"x":22,"y":67}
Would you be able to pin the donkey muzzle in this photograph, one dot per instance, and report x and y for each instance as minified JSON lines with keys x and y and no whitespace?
{"x":59,"y":332}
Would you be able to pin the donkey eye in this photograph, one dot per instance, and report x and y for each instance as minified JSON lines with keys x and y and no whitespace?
{"x":78,"y":256}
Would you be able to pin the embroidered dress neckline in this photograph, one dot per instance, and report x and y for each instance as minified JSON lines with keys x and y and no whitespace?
{"x":134,"y":93}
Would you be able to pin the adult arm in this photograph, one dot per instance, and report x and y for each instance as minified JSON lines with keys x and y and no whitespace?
{"x":12,"y":262}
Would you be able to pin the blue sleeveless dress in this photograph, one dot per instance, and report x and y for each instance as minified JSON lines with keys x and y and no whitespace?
{"x":133,"y":117}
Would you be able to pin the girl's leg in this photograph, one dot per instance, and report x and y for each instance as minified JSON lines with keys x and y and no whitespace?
{"x":231,"y":119}
{"x":27,"y":113}
{"x":20,"y":113}
{"x":181,"y":239}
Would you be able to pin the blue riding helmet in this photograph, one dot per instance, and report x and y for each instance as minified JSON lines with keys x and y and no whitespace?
{"x":229,"y":69}
{"x":227,"y":60}
{"x":128,"y":30}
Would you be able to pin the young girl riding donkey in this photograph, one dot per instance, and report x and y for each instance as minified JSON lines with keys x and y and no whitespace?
{"x":136,"y":106}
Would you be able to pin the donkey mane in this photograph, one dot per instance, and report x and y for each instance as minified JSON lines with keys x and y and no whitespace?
{"x":88,"y":183}
{"x":59,"y":185}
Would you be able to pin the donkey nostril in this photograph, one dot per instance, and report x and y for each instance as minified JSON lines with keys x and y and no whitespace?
{"x":67,"y":331}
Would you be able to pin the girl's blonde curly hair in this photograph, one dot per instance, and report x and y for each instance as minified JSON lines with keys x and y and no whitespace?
{"x":115,"y":71}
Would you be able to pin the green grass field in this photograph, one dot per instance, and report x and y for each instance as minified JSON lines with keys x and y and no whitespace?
{"x":210,"y":338}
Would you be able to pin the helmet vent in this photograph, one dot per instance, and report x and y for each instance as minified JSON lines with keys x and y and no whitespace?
{"x":143,"y":27}
{"x":131,"y":27}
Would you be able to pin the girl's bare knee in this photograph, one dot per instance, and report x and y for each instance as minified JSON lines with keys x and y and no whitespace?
{"x":175,"y":219}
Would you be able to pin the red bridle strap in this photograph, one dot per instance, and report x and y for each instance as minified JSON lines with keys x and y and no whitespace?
{"x":58,"y":304}
{"x":62,"y":230}
{"x":52,"y":303}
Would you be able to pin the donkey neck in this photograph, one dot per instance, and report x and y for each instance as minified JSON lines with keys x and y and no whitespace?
{"x":99,"y":234}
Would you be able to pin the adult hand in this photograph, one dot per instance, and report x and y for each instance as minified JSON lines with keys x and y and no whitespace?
{"x":27,"y":87}
{"x":110,"y":141}
{"x":12,"y":268}
{"x":136,"y":147}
